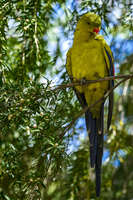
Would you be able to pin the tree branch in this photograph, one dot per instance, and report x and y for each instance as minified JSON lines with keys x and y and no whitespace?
{"x":92,"y":105}
{"x":86,"y":82}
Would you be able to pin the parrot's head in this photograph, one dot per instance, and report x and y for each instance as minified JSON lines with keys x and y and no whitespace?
{"x":90,"y":22}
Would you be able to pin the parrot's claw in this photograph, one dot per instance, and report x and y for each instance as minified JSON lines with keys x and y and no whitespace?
{"x":99,"y":132}
{"x":83,"y":81}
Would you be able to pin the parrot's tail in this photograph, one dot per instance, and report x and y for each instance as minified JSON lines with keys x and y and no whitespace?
{"x":95,"y":130}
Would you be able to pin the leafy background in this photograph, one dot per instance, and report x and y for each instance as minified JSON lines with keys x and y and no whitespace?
{"x":35,"y":161}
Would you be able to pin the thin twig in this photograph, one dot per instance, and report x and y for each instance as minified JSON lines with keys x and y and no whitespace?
{"x":86,"y":82}
{"x":35,"y":31}
{"x":5,"y":5}
{"x":92,"y":105}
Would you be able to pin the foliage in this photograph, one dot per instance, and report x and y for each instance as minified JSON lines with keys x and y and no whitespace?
{"x":35,"y":161}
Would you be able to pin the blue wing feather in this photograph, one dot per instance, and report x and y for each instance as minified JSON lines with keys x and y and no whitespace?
{"x":111,"y":85}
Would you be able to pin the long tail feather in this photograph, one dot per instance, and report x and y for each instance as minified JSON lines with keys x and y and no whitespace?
{"x":98,"y":164}
{"x":95,"y":130}
{"x":91,"y":128}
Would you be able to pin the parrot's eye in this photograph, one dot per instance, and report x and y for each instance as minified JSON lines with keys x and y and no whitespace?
{"x":88,"y":23}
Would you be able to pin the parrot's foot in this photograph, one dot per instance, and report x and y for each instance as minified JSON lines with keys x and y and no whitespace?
{"x":83,"y":81}
{"x":99,"y":132}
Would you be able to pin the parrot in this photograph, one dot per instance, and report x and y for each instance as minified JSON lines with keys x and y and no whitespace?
{"x":90,"y":58}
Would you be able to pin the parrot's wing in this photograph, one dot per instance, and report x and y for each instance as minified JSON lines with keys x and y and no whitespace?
{"x":79,"y":95}
{"x":68,"y":64}
{"x":110,"y":66}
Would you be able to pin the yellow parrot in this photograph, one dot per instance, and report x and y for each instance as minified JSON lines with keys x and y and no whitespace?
{"x":90,"y":58}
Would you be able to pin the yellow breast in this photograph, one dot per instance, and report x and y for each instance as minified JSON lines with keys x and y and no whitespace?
{"x":87,"y":59}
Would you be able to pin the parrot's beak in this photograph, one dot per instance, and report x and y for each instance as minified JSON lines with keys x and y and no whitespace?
{"x":96,"y":30}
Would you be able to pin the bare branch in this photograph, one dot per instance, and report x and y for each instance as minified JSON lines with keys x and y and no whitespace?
{"x":86,"y":82}
{"x":86,"y":108}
